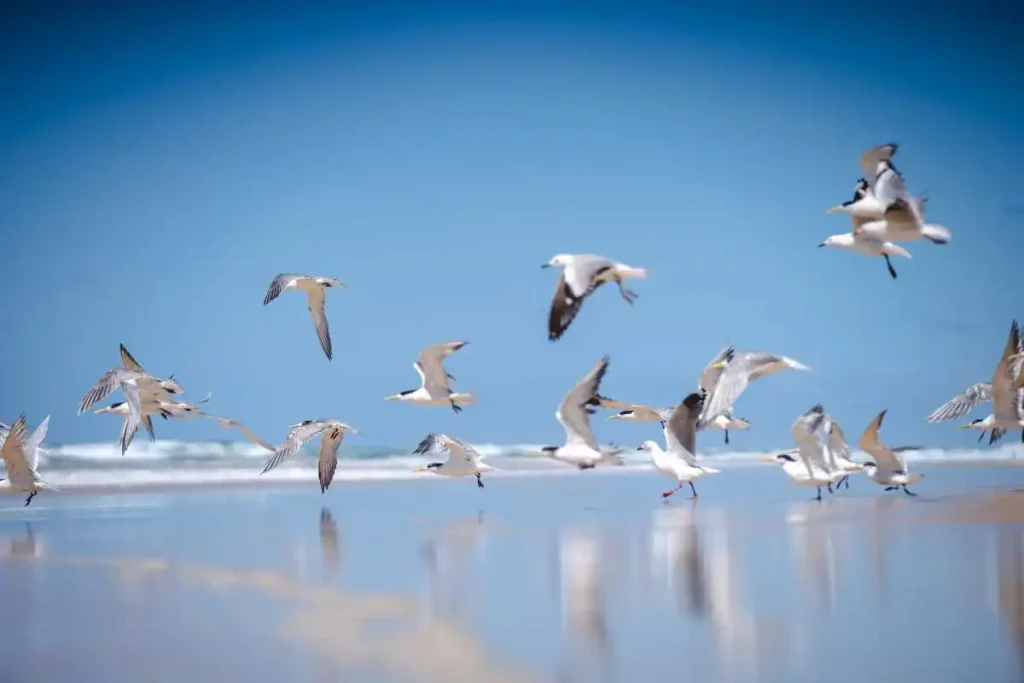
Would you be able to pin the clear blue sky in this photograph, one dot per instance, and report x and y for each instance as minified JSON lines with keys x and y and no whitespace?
{"x":159,"y":166}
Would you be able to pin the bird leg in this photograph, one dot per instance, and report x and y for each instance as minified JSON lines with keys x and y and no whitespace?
{"x":891,"y":488}
{"x":628,"y":295}
{"x":694,"y":489}
{"x":727,"y":436}
{"x":479,"y":481}
{"x":908,"y":491}
{"x":456,"y":407}
{"x":846,"y":480}
{"x":819,"y":494}
{"x":829,"y":487}
{"x":892,"y":271}
{"x":669,"y":493}
{"x":30,"y":497}
{"x":983,"y":436}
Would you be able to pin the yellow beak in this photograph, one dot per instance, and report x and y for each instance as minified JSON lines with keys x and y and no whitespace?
{"x":768,"y":458}
{"x":834,"y":209}
{"x":718,"y":364}
{"x":421,"y":469}
{"x":966,"y":426}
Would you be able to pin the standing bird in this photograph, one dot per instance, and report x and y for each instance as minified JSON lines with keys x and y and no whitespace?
{"x":573,"y":413}
{"x":435,"y":387}
{"x":316,"y":297}
{"x":333,"y":433}
{"x":20,"y":454}
{"x":838,"y":451}
{"x":679,"y":461}
{"x":888,"y":469}
{"x":130,"y":382}
{"x":1007,"y":381}
{"x":811,"y":469}
{"x":463,"y":459}
{"x":740,"y":368}
{"x":582,"y":274}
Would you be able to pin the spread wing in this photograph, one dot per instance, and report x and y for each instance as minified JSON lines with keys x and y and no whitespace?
{"x":566,"y":303}
{"x":962,"y":403}
{"x":574,"y":412}
{"x":874,"y":156}
{"x":709,"y":378}
{"x":317,"y":306}
{"x":129,"y":361}
{"x":33,"y":443}
{"x":431,"y":367}
{"x":681,"y":428}
{"x":277,"y":285}
{"x":837,"y":443}
{"x":870,"y":444}
{"x":460,"y":452}
{"x":13,"y":452}
{"x":1003,"y":380}
{"x":805,"y":433}
{"x":328,"y":460}
{"x":299,"y":434}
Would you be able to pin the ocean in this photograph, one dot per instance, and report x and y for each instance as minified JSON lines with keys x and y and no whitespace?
{"x":169,"y":463}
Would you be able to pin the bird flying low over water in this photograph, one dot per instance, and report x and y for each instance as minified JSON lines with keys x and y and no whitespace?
{"x":463,"y":459}
{"x":435,"y":382}
{"x":889,"y":468}
{"x":582,"y":274}
{"x":738,"y":370}
{"x":809,"y":468}
{"x":165,"y":408}
{"x":679,"y":460}
{"x":20,"y":453}
{"x":315,"y":288}
{"x":333,"y":432}
{"x":1006,"y":385}
{"x":573,"y":413}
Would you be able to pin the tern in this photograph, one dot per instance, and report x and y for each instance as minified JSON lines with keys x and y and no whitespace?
{"x":582,"y":274}
{"x":811,"y":468}
{"x":130,"y":382}
{"x":1007,"y":381}
{"x":463,"y":460}
{"x":435,"y":387}
{"x":333,"y":433}
{"x":316,"y":297}
{"x":150,"y":407}
{"x":739,"y":369}
{"x":889,"y":468}
{"x":679,"y":461}
{"x":151,"y":388}
{"x":20,"y":454}
{"x":838,"y":451}
{"x":580,"y":448}
{"x":632,"y":412}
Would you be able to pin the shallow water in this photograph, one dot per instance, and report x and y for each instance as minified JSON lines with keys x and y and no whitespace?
{"x":573,"y":578}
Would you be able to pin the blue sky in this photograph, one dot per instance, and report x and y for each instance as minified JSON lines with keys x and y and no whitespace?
{"x":159,"y":166}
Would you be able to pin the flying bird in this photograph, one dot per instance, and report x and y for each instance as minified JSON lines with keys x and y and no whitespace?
{"x":463,"y":459}
{"x":1006,"y":385}
{"x":810,"y":469}
{"x":679,"y":460}
{"x":316,"y":297}
{"x":20,"y":454}
{"x":889,"y":467}
{"x":152,"y":387}
{"x":582,"y":274}
{"x":435,"y":382}
{"x":166,"y":409}
{"x":333,"y":432}
{"x":130,"y":383}
{"x":581,"y":449}
{"x":739,"y":369}
{"x":838,"y":451}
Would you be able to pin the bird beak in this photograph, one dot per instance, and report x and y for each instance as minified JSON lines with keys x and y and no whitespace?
{"x":966,"y":426}
{"x":821,"y":245}
{"x":1015,"y":356}
{"x":767,"y":458}
{"x":859,"y":467}
{"x":834,"y":209}
{"x":101,"y":410}
{"x":392,"y":397}
{"x":718,"y":364}
{"x":614,"y":416}
{"x":545,"y":265}
{"x":421,"y":469}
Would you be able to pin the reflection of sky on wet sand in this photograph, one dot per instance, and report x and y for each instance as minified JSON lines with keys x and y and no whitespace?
{"x":517,"y":589}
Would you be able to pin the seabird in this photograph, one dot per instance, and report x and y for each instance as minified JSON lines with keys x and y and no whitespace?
{"x":811,"y":468}
{"x":149,"y":407}
{"x":864,"y":244}
{"x":333,"y":433}
{"x":1007,"y":381}
{"x":316,"y":297}
{"x":889,"y":469}
{"x":632,"y":412}
{"x":153,"y":388}
{"x":463,"y":460}
{"x":435,"y":388}
{"x":679,"y":460}
{"x":865,"y":203}
{"x":582,"y":274}
{"x":129,"y":382}
{"x":838,"y":451}
{"x":573,"y":413}
{"x":740,"y":368}
{"x":20,"y":454}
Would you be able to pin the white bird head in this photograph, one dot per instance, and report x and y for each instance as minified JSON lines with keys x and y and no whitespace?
{"x":558,"y":260}
{"x":647,"y":446}
{"x":330,"y":282}
{"x":171,"y":386}
{"x":780,"y":459}
{"x":837,"y":241}
{"x":869,"y":467}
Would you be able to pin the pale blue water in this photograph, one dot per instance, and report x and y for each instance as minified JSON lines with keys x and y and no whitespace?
{"x":582,"y":577}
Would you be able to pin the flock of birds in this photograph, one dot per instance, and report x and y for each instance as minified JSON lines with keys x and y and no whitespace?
{"x":882,"y":211}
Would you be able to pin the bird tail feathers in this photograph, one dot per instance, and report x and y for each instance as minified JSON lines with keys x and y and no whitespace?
{"x":936,"y":233}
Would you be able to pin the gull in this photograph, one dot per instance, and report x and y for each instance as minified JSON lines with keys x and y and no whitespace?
{"x":811,"y":469}
{"x":679,"y":461}
{"x":582,"y":274}
{"x":889,"y":468}
{"x":435,"y":388}
{"x":902,"y":222}
{"x":153,"y":388}
{"x":740,"y":368}
{"x":865,"y":244}
{"x":580,"y":448}
{"x":1007,"y":381}
{"x":20,"y":454}
{"x":865,"y":202}
{"x":333,"y":433}
{"x":463,"y":459}
{"x":316,"y":297}
{"x":839,"y":451}
{"x":149,"y":407}
{"x":130,"y":383}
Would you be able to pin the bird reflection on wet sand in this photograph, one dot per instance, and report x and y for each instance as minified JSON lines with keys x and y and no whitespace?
{"x":449,"y":556}
{"x":814,"y":534}
{"x":329,"y":543}
{"x":1010,"y":578}
{"x":676,"y":550}
{"x":583,"y":568}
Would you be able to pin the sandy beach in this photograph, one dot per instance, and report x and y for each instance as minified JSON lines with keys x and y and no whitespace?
{"x":565,"y":578}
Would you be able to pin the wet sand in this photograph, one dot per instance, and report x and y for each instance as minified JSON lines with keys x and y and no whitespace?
{"x":568,"y":578}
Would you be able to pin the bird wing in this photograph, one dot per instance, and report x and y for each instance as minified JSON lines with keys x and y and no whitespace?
{"x":898,"y":453}
{"x":431,"y":367}
{"x":809,"y":447}
{"x":889,"y":188}
{"x":277,"y":285}
{"x":460,"y":452}
{"x":104,"y":386}
{"x":34,"y":441}
{"x":317,"y":304}
{"x":226,"y":422}
{"x":681,"y":428}
{"x":709,"y":377}
{"x":870,"y":444}
{"x":582,"y":270}
{"x":874,"y":156}
{"x":1003,"y":380}
{"x":962,"y":403}
{"x":837,"y":443}
{"x":147,"y":422}
{"x":13,"y":452}
{"x":327,"y":463}
{"x":129,"y":361}
{"x":133,"y":418}
{"x":573,"y":413}
{"x":566,"y":304}
{"x":298,"y":435}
